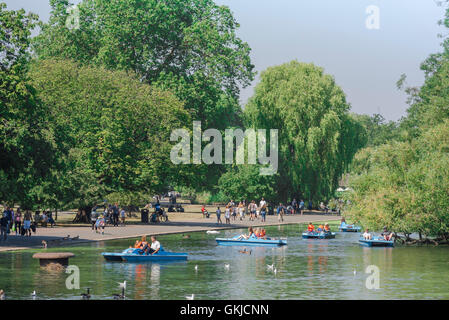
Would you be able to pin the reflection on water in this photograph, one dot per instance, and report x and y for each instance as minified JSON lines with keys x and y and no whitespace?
{"x":306,"y":269}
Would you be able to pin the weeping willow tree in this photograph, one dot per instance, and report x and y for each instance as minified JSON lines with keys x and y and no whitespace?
{"x":318,"y":137}
{"x":405,"y":186}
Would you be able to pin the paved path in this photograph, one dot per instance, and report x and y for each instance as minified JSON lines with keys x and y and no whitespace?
{"x":53,"y":236}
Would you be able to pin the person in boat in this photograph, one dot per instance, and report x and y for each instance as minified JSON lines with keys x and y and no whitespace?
{"x":310,"y":227}
{"x":387,"y":235}
{"x":139,"y":244}
{"x":154,"y":248}
{"x":343,"y":222}
{"x":320,"y":228}
{"x":327,"y":229}
{"x":367,"y":235}
{"x":263,"y":234}
{"x":249,"y":235}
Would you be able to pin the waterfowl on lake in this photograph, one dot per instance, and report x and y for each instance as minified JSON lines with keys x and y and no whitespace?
{"x":86,"y":295}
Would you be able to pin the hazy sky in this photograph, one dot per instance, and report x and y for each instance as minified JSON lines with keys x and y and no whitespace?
{"x":333,"y":34}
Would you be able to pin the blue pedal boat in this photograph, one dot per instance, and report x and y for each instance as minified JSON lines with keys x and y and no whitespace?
{"x":376,"y":242}
{"x":318,"y":235}
{"x":252,"y":241}
{"x":134,"y":255}
{"x":349,"y":228}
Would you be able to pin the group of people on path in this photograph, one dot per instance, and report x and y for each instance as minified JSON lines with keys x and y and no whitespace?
{"x":254,"y":210}
{"x":21,"y":223}
{"x":111,"y":214}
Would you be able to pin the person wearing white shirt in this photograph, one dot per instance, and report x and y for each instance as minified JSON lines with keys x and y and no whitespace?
{"x":262,"y":203}
{"x":155,"y":246}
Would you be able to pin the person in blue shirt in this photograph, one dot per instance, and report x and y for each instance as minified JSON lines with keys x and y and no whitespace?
{"x":301,"y":206}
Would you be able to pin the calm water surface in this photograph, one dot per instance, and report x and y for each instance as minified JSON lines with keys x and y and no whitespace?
{"x":307,"y":269}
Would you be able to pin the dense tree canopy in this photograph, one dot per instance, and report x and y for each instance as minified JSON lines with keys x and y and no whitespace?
{"x":405,"y":185}
{"x":317,"y":135}
{"x":189,"y":47}
{"x":244,"y":182}
{"x":378,"y":130}
{"x":25,"y":147}
{"x":112,"y":131}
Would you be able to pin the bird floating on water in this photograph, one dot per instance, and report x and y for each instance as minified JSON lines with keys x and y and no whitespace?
{"x":2,"y":295}
{"x":212,"y":232}
{"x":246,"y":251}
{"x":186,"y":236}
{"x":66,"y":238}
{"x":227,"y":266}
{"x":86,"y":295}
{"x":192,"y":297}
{"x":196,"y":267}
{"x":122,"y":284}
{"x":75,"y":238}
{"x":44,"y":244}
{"x":270,"y":267}
{"x":122,"y":295}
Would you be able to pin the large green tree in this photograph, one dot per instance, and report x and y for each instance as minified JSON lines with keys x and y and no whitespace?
{"x":189,"y":47}
{"x":25,"y":141}
{"x":112,"y":132}
{"x":317,"y":135}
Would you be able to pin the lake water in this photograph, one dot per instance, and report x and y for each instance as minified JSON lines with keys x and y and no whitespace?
{"x":306,"y":269}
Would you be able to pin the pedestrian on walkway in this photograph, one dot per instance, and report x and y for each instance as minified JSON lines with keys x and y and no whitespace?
{"x":228,"y":215}
{"x":3,"y":228}
{"x":281,"y":213}
{"x":263,"y":212}
{"x":219,"y":215}
{"x":93,"y":218}
{"x":18,"y":221}
{"x":27,"y":218}
{"x":123,"y":216}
